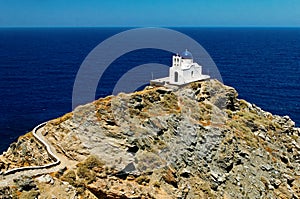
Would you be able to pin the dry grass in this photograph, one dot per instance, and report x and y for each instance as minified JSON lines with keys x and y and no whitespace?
{"x":59,"y":120}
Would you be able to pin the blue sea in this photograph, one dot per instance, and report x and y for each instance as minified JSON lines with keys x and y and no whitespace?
{"x":38,"y":67}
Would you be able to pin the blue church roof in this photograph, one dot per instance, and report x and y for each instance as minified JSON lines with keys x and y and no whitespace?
{"x":186,"y":55}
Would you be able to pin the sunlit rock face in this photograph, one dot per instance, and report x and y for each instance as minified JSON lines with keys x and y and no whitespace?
{"x":192,"y":141}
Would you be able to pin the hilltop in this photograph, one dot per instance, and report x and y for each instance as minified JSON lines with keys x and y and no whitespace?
{"x":195,"y":141}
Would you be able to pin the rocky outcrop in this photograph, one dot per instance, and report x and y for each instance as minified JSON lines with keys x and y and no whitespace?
{"x":196,"y":141}
{"x":27,"y":151}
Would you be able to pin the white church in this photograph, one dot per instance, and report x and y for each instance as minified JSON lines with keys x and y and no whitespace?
{"x":183,"y":71}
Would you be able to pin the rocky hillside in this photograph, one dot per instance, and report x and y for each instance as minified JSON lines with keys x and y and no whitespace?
{"x":26,"y":152}
{"x":197,"y":141}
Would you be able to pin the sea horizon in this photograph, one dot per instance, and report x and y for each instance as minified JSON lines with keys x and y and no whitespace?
{"x":171,"y":27}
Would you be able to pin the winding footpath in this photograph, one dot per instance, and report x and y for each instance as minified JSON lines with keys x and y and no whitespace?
{"x":50,"y":153}
{"x":6,"y":178}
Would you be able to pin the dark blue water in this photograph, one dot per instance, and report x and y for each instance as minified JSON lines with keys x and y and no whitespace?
{"x":38,"y":69}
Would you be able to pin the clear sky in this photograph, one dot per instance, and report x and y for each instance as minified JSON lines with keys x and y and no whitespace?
{"x":162,"y":13}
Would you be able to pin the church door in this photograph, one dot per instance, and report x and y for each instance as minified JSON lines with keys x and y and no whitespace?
{"x":176,"y":77}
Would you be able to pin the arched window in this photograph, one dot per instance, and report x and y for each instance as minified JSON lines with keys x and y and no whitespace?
{"x":192,"y":74}
{"x":176,"y":77}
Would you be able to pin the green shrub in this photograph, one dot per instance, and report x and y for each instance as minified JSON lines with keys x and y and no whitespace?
{"x":91,"y":162}
{"x":85,"y":169}
{"x":87,"y":174}
{"x":70,"y":177}
{"x":142,"y":179}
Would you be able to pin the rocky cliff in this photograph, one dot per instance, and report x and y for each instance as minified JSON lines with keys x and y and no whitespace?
{"x":196,"y":141}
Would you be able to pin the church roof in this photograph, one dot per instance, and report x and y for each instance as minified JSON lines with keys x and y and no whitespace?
{"x":186,"y":55}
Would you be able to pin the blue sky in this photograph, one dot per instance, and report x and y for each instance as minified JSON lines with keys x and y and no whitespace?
{"x":167,"y":13}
